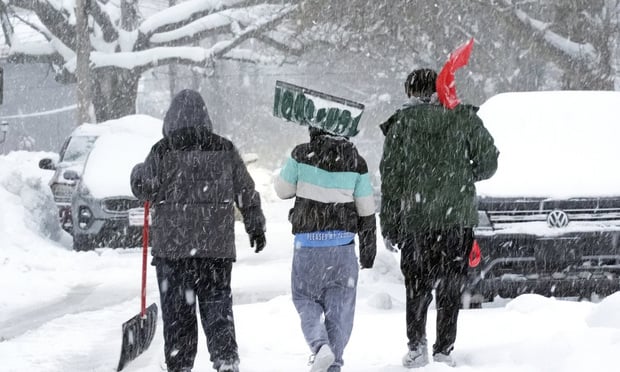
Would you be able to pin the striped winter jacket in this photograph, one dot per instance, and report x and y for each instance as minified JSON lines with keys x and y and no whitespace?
{"x":330,"y":181}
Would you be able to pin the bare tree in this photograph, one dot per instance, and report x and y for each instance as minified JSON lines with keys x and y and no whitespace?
{"x":123,"y":46}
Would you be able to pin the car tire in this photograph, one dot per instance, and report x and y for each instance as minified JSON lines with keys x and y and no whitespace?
{"x":83,"y":243}
{"x":472,"y":301}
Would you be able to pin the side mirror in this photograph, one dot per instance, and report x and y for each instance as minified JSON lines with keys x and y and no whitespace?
{"x":71,"y":175}
{"x":47,"y":164}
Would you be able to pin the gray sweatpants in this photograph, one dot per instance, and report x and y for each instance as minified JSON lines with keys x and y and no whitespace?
{"x":324,"y":286}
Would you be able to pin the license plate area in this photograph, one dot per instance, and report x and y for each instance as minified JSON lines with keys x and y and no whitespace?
{"x":136,"y":217}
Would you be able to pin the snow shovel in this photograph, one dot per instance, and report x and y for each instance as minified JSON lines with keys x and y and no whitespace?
{"x":138,"y":331}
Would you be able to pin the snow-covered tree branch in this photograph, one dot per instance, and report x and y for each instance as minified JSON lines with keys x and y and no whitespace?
{"x":584,"y":51}
{"x":581,"y":32}
{"x":193,"y":32}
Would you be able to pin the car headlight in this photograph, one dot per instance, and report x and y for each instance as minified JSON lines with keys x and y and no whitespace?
{"x":85,"y":217}
{"x":483,"y":220}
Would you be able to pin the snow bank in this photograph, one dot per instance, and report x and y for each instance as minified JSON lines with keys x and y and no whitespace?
{"x":531,"y":303}
{"x":27,"y":222}
{"x":607,"y":313}
{"x":26,"y":198}
{"x":37,"y":264}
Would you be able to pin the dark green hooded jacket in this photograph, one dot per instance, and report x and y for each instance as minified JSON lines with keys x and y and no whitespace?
{"x":431,"y":158}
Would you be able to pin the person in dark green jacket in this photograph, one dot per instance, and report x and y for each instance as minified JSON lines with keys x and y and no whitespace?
{"x":432,"y":156}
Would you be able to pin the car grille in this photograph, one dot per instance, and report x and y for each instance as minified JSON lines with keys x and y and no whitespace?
{"x":120,"y":205}
{"x":535,"y":210}
{"x":62,"y":192}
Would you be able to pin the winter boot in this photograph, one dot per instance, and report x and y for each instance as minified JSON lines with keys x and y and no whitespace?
{"x":444,"y":358}
{"x":323,"y":359}
{"x":227,"y":366}
{"x":417,"y":357}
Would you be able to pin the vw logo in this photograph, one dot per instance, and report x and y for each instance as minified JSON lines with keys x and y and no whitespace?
{"x":557,"y":218}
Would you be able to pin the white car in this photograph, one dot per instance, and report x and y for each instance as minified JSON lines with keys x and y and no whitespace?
{"x":102,"y":200}
{"x":72,"y":156}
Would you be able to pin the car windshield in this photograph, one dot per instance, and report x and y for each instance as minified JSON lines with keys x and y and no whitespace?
{"x":78,"y":148}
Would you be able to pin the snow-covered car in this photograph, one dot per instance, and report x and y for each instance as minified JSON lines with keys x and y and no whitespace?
{"x":550,"y":216}
{"x":72,"y":156}
{"x":103,"y":200}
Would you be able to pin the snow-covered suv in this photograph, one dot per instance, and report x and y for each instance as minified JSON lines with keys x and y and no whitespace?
{"x":72,"y":157}
{"x":550,"y":216}
{"x":102,"y":201}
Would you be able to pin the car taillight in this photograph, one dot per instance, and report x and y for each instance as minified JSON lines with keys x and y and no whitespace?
{"x":85,"y":217}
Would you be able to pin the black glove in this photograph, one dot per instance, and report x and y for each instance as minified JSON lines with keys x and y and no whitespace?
{"x":390,"y":245}
{"x":259,"y":240}
{"x":368,"y":248}
{"x":366,"y":261}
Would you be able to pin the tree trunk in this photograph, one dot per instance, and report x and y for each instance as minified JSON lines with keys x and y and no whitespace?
{"x":115,"y":92}
{"x":172,"y":68}
{"x":82,"y":72}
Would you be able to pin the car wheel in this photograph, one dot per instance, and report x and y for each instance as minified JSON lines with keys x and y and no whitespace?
{"x":472,"y":301}
{"x":83,"y":243}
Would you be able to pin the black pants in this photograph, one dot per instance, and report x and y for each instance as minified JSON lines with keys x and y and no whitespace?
{"x":182,"y":284}
{"x":435,"y":259}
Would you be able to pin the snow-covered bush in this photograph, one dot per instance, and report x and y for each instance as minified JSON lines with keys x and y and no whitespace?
{"x":24,"y":192}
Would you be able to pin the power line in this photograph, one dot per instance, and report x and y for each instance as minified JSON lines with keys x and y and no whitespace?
{"x":42,"y":113}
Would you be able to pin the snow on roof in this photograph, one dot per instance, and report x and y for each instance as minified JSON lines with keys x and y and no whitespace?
{"x":124,"y":144}
{"x":554,"y":144}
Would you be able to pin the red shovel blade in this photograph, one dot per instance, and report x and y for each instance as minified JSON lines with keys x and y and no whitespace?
{"x":445,"y":85}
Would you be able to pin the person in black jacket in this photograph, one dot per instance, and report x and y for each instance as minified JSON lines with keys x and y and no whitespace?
{"x":193,"y":178}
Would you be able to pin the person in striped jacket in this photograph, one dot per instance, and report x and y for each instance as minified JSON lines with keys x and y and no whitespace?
{"x":333,"y":202}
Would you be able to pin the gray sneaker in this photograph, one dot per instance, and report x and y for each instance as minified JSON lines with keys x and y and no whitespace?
{"x":227,"y":366}
{"x":417,"y":357}
{"x":444,"y":358}
{"x":323,"y":359}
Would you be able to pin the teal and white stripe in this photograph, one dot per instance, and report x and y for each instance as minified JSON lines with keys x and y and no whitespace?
{"x":310,"y":182}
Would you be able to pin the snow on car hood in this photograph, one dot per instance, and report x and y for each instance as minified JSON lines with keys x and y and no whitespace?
{"x":116,"y":152}
{"x":554,"y":144}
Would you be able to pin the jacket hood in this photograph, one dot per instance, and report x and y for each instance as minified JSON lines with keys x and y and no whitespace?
{"x":187,"y":110}
{"x":412,"y":104}
{"x":430,"y":116}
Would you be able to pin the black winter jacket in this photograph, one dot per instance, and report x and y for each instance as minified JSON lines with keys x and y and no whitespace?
{"x":192,"y":177}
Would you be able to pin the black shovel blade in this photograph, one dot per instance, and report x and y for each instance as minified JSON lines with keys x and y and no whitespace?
{"x":138,"y":333}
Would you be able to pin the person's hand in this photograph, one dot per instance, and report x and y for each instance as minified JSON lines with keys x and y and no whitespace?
{"x":390,"y":245}
{"x":366,"y":262}
{"x":259,"y":240}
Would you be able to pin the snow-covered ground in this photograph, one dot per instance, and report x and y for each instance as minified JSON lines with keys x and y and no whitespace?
{"x":62,"y":310}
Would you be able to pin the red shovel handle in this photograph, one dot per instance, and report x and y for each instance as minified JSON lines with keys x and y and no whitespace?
{"x":145,"y":249}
